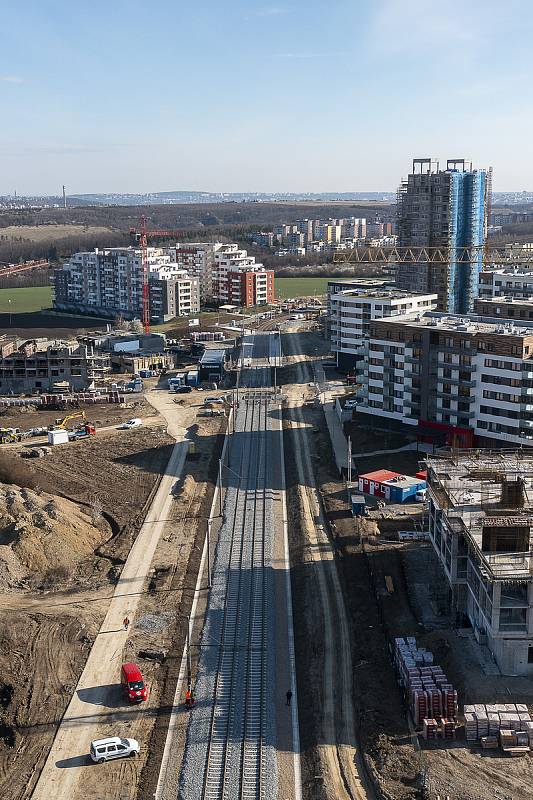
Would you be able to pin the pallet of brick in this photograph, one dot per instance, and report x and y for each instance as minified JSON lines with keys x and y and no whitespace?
{"x":470,"y":728}
{"x":449,"y":702}
{"x":489,"y":743}
{"x":510,"y":708}
{"x":469,"y":709}
{"x":419,"y":706}
{"x":522,"y":708}
{"x":448,"y":728}
{"x":492,"y":708}
{"x":505,"y":721}
{"x":435,"y":703}
{"x":429,"y":729}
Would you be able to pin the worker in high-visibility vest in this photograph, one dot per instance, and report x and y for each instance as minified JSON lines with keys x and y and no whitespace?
{"x":189,"y":698}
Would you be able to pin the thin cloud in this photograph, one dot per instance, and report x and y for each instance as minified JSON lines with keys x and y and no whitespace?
{"x":309,"y":55}
{"x":271,"y":11}
{"x":11,"y":79}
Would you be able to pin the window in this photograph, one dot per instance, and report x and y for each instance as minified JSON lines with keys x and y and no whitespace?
{"x":530,"y":654}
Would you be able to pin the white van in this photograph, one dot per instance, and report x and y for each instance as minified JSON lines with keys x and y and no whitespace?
{"x":420,"y":496}
{"x":113,"y":747}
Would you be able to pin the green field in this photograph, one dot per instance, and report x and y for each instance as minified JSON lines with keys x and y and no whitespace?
{"x":32,"y":298}
{"x":300,"y":287}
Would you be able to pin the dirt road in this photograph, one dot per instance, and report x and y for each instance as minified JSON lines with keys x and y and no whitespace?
{"x":338,"y":750}
{"x":96,"y":709}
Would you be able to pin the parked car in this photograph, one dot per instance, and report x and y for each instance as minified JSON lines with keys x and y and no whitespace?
{"x":131,"y":423}
{"x":133,"y":685}
{"x":183,"y":389}
{"x":218,"y":400}
{"x":350,"y":404}
{"x":113,"y":747}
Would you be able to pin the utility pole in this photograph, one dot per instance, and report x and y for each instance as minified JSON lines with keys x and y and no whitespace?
{"x":349,"y":459}
{"x":64,"y":197}
{"x":220,"y":484}
{"x":189,"y":662}
{"x":209,"y":523}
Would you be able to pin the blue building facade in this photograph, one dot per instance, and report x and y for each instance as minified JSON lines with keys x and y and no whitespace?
{"x":468,"y":208}
{"x":445,"y":209}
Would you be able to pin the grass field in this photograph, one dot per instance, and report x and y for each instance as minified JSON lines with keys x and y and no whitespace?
{"x":300,"y":287}
{"x":42,"y":233}
{"x":32,"y":298}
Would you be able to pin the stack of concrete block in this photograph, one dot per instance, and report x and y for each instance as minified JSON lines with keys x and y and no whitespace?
{"x":429,"y":729}
{"x":493,"y":718}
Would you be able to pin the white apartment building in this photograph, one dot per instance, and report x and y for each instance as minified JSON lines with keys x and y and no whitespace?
{"x":480,"y":523}
{"x":351,"y":307}
{"x":450,"y":379}
{"x":198,"y":258}
{"x":108,"y":282}
{"x":514,"y":283}
{"x":239,"y":280}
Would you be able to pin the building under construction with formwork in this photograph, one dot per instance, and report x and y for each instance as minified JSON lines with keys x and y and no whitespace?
{"x":481,"y":522}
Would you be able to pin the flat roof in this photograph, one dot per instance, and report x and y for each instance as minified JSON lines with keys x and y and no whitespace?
{"x":213,"y":356}
{"x":466,"y":323}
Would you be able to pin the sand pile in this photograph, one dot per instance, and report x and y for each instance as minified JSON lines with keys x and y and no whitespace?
{"x":42,"y":534}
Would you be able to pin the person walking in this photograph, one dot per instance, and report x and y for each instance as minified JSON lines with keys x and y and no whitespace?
{"x":289,"y":697}
{"x":126,"y":623}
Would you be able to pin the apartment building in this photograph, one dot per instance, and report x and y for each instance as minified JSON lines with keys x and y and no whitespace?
{"x":480,"y":523}
{"x":351,"y":308}
{"x":505,"y":308}
{"x":36,"y":365}
{"x":173,"y":293}
{"x":450,"y":379}
{"x":239,"y":280}
{"x":198,"y":259}
{"x":444,"y":208}
{"x":110,"y":282}
{"x":509,"y":282}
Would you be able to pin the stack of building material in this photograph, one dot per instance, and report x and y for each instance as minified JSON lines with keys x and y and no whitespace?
{"x":482,"y":721}
{"x":448,"y":728}
{"x":429,"y":729}
{"x":470,"y":727}
{"x":430,"y":693}
{"x":489,"y":743}
{"x":493,"y":718}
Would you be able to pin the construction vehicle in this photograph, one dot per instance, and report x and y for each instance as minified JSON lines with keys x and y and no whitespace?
{"x":62,"y":423}
{"x":87,"y":429}
{"x":10,"y":435}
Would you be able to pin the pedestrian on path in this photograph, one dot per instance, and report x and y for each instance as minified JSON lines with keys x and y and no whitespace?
{"x":289,"y":697}
{"x":126,"y":623}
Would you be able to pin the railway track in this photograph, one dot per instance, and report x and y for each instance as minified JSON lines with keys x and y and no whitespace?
{"x":229,"y":754}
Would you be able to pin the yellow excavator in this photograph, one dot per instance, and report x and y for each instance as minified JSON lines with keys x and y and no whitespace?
{"x":87,"y":429}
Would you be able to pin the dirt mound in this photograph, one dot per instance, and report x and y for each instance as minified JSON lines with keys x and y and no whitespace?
{"x":42,"y":537}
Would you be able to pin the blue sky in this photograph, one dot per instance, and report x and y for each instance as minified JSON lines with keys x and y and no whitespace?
{"x":285,"y":95}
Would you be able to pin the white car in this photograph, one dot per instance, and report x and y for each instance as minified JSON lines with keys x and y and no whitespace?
{"x":113,"y":747}
{"x":131,"y":423}
{"x":350,"y":404}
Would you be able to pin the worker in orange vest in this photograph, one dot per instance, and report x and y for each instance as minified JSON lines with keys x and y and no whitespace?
{"x":189,"y":698}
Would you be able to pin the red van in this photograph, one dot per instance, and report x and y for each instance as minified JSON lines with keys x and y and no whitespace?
{"x":132,"y":683}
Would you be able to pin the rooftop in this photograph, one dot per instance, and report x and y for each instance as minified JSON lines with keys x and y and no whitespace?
{"x":470,"y":323}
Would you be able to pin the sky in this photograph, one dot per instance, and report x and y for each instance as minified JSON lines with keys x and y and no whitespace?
{"x":261,"y":95}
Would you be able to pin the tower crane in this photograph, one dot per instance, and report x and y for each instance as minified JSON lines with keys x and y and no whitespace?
{"x":141,"y":237}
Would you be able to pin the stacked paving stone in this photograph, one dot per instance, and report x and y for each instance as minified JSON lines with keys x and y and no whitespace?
{"x":493,"y":718}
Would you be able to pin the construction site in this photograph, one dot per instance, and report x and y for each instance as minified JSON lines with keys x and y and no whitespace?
{"x":409,"y":669}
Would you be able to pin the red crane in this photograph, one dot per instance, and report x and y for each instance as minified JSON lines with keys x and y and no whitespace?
{"x":141,"y":236}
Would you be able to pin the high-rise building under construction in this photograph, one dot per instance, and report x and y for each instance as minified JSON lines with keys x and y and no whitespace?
{"x":444,"y":209}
